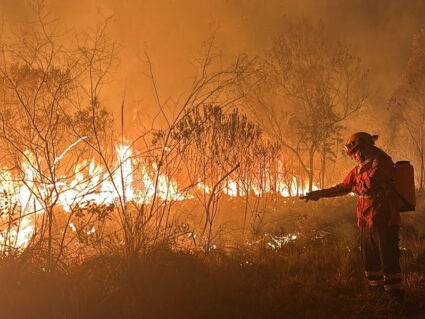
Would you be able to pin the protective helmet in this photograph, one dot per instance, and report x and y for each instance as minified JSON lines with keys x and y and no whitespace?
{"x":359,"y":139}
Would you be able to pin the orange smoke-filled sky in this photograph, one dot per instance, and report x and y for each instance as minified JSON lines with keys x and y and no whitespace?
{"x":172,"y":32}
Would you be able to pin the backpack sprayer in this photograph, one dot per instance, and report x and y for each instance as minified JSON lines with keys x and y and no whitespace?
{"x":404,"y":186}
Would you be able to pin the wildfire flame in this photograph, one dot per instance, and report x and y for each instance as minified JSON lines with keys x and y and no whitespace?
{"x":21,"y":196}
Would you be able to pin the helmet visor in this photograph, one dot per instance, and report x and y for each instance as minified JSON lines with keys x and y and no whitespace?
{"x":350,"y":147}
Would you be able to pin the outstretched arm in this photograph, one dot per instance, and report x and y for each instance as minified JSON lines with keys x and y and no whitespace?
{"x":338,"y":190}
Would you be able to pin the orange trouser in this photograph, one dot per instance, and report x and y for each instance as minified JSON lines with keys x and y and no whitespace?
{"x":381,"y":256}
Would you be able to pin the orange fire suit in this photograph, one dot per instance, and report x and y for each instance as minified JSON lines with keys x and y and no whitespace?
{"x":372,"y":182}
{"x":378,"y":217}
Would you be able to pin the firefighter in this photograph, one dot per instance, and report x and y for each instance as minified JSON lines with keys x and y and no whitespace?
{"x":377,"y":211}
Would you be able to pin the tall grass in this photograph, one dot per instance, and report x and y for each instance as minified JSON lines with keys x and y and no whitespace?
{"x":316,"y":275}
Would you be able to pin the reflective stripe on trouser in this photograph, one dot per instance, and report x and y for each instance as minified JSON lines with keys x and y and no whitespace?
{"x":381,"y":256}
{"x":374,"y":278}
{"x":392,"y":281}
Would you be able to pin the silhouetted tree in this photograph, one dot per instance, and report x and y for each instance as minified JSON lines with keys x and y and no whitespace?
{"x":39,"y":85}
{"x":408,"y":105}
{"x":313,"y":84}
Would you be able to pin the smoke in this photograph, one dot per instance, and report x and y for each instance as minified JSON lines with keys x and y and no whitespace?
{"x":172,"y":32}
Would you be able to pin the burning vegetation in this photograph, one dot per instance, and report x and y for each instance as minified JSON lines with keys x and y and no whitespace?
{"x":192,"y":212}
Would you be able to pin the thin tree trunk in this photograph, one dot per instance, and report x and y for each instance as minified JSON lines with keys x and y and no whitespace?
{"x":310,"y":171}
{"x":323,"y":170}
{"x":421,"y":178}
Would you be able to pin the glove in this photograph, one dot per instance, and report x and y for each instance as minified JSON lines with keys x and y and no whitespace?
{"x":314,"y":195}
